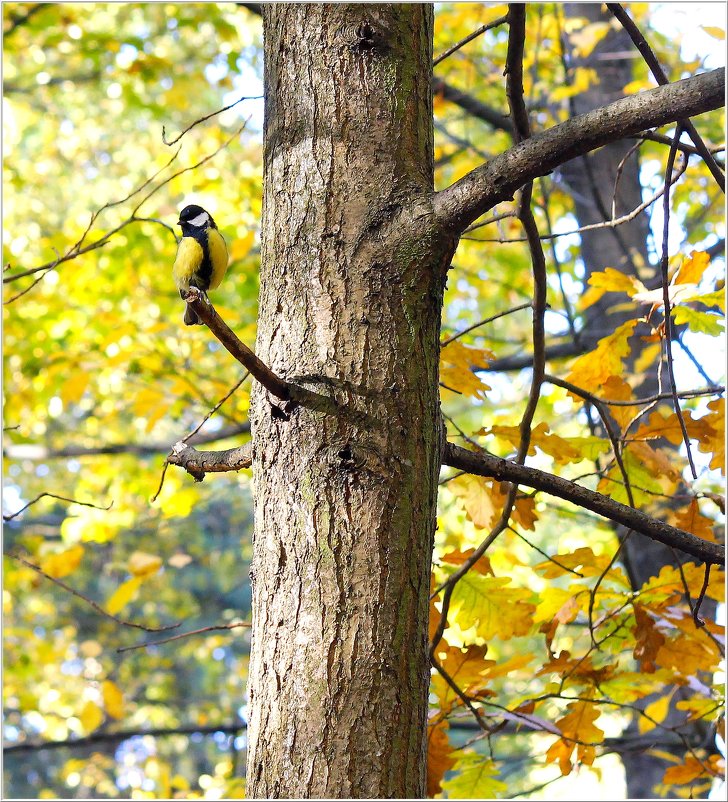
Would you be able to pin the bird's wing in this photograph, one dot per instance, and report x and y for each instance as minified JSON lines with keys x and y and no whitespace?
{"x":218,"y":256}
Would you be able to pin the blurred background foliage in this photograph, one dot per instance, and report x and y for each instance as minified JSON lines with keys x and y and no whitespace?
{"x":101,"y":378}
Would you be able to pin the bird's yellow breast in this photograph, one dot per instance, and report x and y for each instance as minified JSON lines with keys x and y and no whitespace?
{"x":189,"y":258}
{"x":218,"y":256}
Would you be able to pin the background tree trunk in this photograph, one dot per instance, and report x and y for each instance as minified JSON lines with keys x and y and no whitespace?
{"x":591,"y":180}
{"x":345,"y":496}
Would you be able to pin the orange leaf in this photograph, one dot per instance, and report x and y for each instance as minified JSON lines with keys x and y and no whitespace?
{"x":649,"y":639}
{"x":438,"y":756}
{"x":456,"y":557}
{"x":692,"y":268}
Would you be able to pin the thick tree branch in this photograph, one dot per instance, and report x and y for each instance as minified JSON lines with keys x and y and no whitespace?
{"x":258,"y":369}
{"x":198,"y":463}
{"x":497,"y":180}
{"x":483,"y":464}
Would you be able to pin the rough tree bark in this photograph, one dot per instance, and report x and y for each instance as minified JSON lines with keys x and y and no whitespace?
{"x":345,"y":496}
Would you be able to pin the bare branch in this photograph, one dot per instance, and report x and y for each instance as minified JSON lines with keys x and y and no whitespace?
{"x":198,"y":463}
{"x":88,"y":601}
{"x":207,"y":117}
{"x":484,"y":464}
{"x":212,"y":628}
{"x":474,"y":35}
{"x":119,"y":735}
{"x":481,"y":189}
{"x":59,"y":498}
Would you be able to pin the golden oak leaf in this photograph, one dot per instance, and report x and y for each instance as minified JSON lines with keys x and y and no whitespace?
{"x":615,"y":388}
{"x":457,"y":364}
{"x":123,"y":595}
{"x":560,"y":752}
{"x":709,"y":431}
{"x":62,"y":563}
{"x":592,"y":370}
{"x":655,"y":713}
{"x":578,"y":723}
{"x":690,"y":770}
{"x":686,"y":655}
{"x":113,"y":699}
{"x":464,"y":667}
{"x":438,"y":756}
{"x":481,"y":498}
{"x":692,"y":520}
{"x":608,"y":280}
{"x":557,"y":447}
{"x":524,"y":512}
{"x":662,"y":423}
{"x":495,"y":610}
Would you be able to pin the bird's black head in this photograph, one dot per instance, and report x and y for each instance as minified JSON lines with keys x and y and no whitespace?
{"x":195,"y":218}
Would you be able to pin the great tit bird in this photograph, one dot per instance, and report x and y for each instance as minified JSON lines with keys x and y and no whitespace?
{"x":202,"y":256}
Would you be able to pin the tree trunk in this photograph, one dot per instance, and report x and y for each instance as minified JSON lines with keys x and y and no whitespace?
{"x":345,"y":496}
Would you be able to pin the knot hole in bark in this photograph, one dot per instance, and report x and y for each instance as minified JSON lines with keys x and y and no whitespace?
{"x":363,"y":38}
{"x":346,"y":456}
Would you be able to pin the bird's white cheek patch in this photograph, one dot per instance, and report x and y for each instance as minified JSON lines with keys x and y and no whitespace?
{"x":200,"y":220}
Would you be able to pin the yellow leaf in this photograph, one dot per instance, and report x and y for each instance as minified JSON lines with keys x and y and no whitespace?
{"x":692,"y":268}
{"x":142,"y":565}
{"x":457,"y":362}
{"x":123,"y":595}
{"x":91,"y":716}
{"x":73,"y":388}
{"x":63,"y":563}
{"x":609,"y":280}
{"x":113,"y":699}
{"x":656,"y":711}
{"x":592,"y":370}
{"x":715,"y":32}
{"x":633,"y":87}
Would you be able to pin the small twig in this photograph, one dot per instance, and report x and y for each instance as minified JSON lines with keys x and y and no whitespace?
{"x":473,"y":35}
{"x":60,"y":498}
{"x":651,"y":60}
{"x":485,"y":322}
{"x":207,"y":117}
{"x":213,"y":628}
{"x":88,"y":601}
{"x":666,"y":300}
{"x":701,"y":596}
{"x":654,"y":136}
{"x":459,"y":692}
